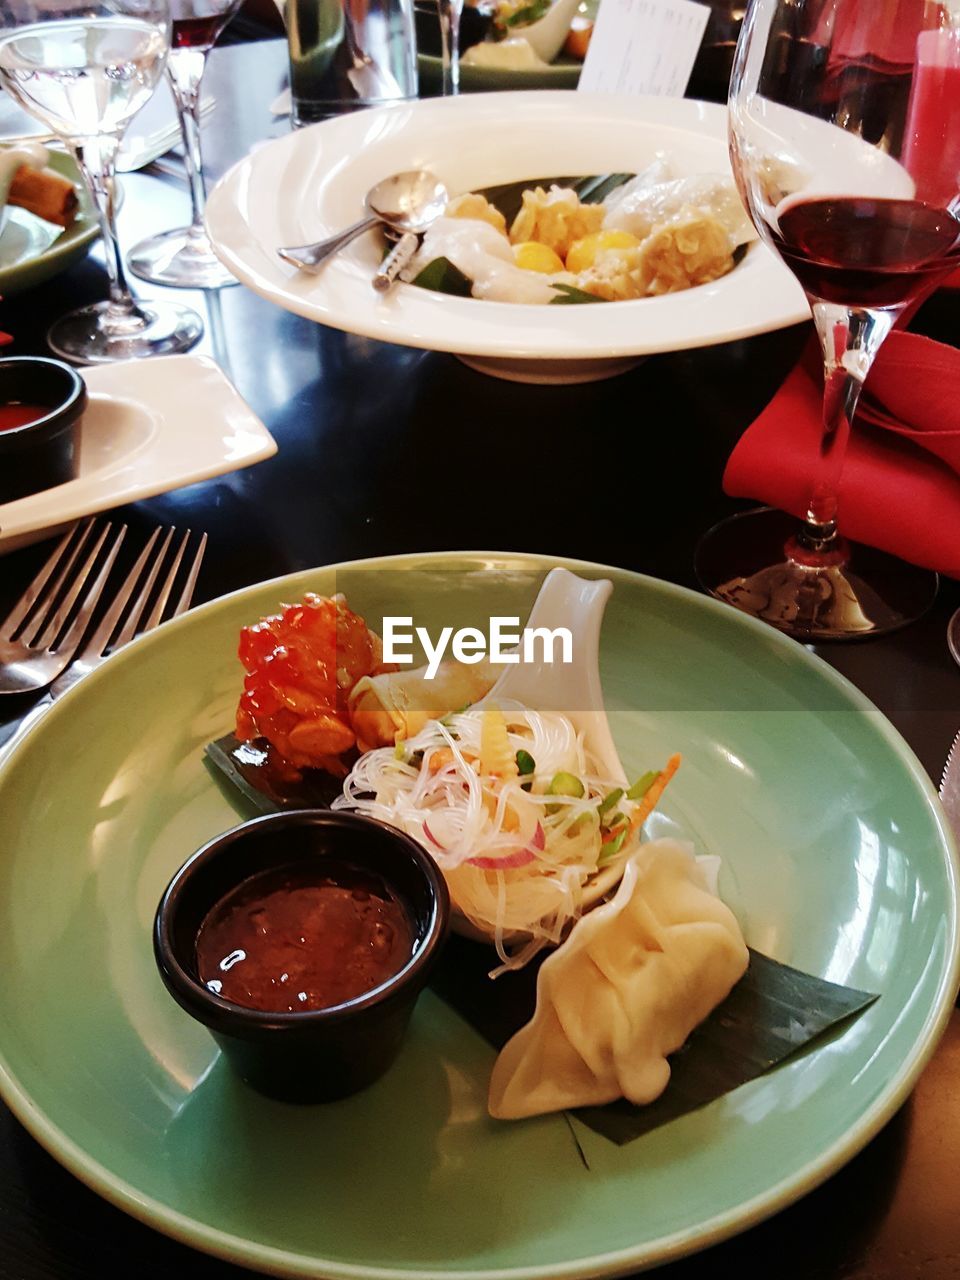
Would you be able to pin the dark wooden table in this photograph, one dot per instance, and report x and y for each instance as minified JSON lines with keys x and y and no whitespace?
{"x":378,"y":454}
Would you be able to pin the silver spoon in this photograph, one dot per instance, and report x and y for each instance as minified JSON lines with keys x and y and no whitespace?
{"x":407,"y":202}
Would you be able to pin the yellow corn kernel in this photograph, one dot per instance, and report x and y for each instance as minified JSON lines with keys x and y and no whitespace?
{"x":537,"y":257}
{"x":583,"y":253}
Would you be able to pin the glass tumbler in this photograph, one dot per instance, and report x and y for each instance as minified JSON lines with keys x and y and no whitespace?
{"x":347,"y":54}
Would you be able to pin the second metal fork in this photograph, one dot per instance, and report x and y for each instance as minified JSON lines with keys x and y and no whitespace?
{"x":127,"y":616}
{"x":41,"y":633}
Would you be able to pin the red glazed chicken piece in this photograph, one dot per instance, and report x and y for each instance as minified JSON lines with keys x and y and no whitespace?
{"x":301,"y":665}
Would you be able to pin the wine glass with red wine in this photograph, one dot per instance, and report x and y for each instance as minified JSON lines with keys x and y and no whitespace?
{"x":845,"y":143}
{"x":184,"y":256}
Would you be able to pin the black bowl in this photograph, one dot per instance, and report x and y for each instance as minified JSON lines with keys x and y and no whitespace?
{"x":317,"y":1055}
{"x":43,"y":453}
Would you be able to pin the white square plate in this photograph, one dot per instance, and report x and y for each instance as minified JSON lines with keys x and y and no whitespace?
{"x":150,"y":426}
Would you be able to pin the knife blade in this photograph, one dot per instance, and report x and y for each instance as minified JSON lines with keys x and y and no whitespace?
{"x":950,"y":786}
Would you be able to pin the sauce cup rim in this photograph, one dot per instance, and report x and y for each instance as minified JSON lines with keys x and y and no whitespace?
{"x":72,"y":401}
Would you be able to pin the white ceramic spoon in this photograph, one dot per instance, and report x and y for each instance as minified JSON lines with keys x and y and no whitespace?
{"x":546,"y":36}
{"x":574,"y":688}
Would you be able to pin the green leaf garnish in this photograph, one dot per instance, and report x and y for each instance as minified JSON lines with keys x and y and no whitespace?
{"x":643,"y":785}
{"x":609,"y":800}
{"x":442,"y":276}
{"x":525,"y":762}
{"x":569,"y":294}
{"x":594,"y":190}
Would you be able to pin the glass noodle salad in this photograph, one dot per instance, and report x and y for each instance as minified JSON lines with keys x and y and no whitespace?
{"x":512,"y":808}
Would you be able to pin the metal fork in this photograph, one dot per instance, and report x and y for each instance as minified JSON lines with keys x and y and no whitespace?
{"x":126,"y":612}
{"x":34,"y":644}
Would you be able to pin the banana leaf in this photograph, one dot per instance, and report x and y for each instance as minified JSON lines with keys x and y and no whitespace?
{"x":772,"y":1013}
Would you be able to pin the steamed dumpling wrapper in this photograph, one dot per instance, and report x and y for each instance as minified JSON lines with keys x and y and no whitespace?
{"x":395,"y":705}
{"x":658,"y":171}
{"x":641,"y":209}
{"x":626,"y":989}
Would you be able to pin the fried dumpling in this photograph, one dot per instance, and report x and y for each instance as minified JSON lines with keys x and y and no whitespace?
{"x":394,"y":705}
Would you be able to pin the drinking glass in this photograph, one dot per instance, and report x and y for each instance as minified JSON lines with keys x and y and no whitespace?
{"x":845,"y":143}
{"x":84,"y":68}
{"x":184,"y":257}
{"x":450,"y":12}
{"x":345,"y":56}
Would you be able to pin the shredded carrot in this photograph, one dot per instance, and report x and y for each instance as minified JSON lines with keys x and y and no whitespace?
{"x":654,"y":792}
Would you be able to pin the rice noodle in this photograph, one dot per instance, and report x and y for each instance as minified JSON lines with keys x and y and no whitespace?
{"x":457,"y":815}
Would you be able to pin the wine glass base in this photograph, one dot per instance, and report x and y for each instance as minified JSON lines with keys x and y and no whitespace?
{"x":94,"y":335}
{"x":182,"y":258}
{"x":747,"y":561}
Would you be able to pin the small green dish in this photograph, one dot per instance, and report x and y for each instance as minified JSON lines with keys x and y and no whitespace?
{"x":26,"y":256}
{"x":563,"y":73}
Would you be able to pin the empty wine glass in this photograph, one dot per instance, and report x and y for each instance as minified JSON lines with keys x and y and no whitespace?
{"x":450,"y":12}
{"x":845,"y":142}
{"x":84,"y":68}
{"x":184,"y":256}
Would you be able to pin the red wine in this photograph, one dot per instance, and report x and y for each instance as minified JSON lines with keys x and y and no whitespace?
{"x":194,"y":26}
{"x":859,"y":251}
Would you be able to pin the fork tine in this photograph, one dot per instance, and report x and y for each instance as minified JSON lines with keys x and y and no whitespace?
{"x":138,"y":606}
{"x":156,"y":613}
{"x":91,"y":597}
{"x":54,"y":624}
{"x":97,"y":644}
{"x":186,"y":595}
{"x":25,"y":604}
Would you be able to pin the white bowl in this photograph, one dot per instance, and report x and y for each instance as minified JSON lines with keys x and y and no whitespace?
{"x":312,"y":182}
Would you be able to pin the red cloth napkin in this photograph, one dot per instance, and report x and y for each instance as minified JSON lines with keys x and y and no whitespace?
{"x":900,"y":488}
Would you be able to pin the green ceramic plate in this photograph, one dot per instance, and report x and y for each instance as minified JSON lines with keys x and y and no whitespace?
{"x":836,"y":858}
{"x":563,"y":73}
{"x":26,"y":259}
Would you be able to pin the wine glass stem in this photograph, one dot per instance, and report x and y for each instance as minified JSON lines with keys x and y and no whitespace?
{"x":97,"y":160}
{"x":850,"y":338}
{"x":450,"y":12}
{"x":185,"y":69}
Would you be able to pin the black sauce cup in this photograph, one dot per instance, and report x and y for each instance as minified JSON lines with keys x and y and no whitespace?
{"x":317,"y":1055}
{"x":41,"y":453}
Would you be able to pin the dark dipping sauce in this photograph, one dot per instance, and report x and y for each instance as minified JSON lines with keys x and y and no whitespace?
{"x":19,"y":415}
{"x":303,"y":937}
